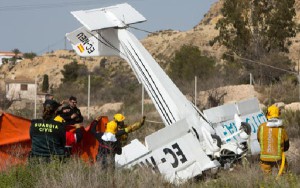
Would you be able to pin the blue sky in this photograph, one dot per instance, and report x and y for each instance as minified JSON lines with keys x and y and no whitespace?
{"x":40,"y":25}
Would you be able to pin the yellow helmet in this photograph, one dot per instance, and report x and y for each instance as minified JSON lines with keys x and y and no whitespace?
{"x":273,"y":112}
{"x":111,"y":127}
{"x":119,"y":117}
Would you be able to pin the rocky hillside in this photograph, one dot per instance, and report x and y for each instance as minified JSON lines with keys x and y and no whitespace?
{"x":50,"y":64}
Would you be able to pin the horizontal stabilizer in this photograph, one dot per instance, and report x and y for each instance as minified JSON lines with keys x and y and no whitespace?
{"x":167,"y":134}
{"x":119,"y":15}
{"x":226,"y":112}
{"x":221,"y":113}
{"x":248,"y":106}
{"x":130,"y":152}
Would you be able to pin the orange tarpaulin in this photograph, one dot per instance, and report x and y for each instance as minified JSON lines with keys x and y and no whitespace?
{"x":13,"y":129}
{"x":15,"y":142}
{"x":87,"y":148}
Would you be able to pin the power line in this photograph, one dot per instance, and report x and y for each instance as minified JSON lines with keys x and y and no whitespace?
{"x":36,"y":6}
{"x":235,"y":56}
{"x":51,"y":45}
{"x":266,"y":65}
{"x":140,"y":29}
{"x":43,"y":6}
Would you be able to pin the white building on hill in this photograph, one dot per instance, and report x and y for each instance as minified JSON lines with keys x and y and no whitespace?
{"x":22,"y":88}
{"x":8,"y":55}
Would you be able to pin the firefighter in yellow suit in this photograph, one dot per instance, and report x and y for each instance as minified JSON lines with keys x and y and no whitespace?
{"x":119,"y":119}
{"x":273,"y":141}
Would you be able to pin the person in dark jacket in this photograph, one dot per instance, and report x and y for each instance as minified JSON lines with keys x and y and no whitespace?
{"x":72,"y":137}
{"x":109,"y":146}
{"x":70,"y":113}
{"x":110,"y":142}
{"x":48,"y":137}
{"x":49,"y":99}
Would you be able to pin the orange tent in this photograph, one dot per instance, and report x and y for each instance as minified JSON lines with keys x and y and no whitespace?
{"x":15,"y":142}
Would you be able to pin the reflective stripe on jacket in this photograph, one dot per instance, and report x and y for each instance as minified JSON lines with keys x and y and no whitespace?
{"x":272,"y":141}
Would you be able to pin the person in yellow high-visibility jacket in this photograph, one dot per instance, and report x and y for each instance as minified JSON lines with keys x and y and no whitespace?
{"x":273,"y":141}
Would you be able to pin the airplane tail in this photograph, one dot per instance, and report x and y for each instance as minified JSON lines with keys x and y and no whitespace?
{"x":111,"y":38}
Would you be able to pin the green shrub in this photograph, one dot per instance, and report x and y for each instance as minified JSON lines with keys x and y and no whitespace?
{"x":286,"y":91}
{"x":19,"y":176}
{"x":188,"y":63}
{"x":73,"y":71}
{"x":30,"y":55}
{"x":292,"y":123}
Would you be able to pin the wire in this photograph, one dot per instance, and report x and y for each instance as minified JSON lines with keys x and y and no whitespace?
{"x":256,"y":62}
{"x":35,"y":6}
{"x":158,"y":122}
{"x":292,"y":72}
{"x":140,"y":29}
{"x":51,"y":45}
{"x":43,"y":6}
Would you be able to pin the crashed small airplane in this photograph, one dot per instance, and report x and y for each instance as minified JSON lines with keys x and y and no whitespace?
{"x":192,"y":141}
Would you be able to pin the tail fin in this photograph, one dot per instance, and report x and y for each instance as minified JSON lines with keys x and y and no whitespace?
{"x":93,"y":43}
{"x":83,"y":42}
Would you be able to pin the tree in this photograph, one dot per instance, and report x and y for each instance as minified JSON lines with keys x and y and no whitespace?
{"x":72,"y":71}
{"x":45,"y":86}
{"x":254,"y":28}
{"x":234,"y":31}
{"x":188,"y":63}
{"x":30,"y":55}
{"x":16,"y":51}
{"x":267,"y":75}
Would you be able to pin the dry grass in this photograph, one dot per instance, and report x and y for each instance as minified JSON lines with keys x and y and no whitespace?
{"x":77,"y":174}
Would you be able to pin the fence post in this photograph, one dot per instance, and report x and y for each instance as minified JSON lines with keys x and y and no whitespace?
{"x":299,"y":85}
{"x":35,"y":96}
{"x":143,"y":95}
{"x":195,"y":91}
{"x":89,"y":93}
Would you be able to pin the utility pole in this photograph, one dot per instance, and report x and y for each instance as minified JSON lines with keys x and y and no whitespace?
{"x":299,"y":84}
{"x":298,"y":76}
{"x":143,"y":97}
{"x":35,"y":96}
{"x":65,"y":43}
{"x":195,"y":91}
{"x":89,"y":93}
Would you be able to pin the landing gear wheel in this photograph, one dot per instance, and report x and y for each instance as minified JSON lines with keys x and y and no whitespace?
{"x":212,"y":141}
{"x":216,"y":140}
{"x":246,"y":127}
